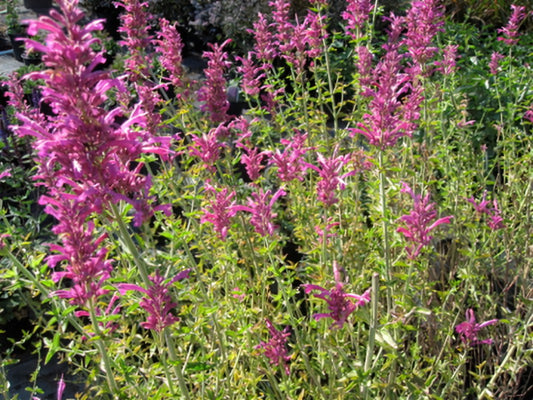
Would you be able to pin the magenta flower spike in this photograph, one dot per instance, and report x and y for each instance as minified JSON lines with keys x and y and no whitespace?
{"x":448,"y":65}
{"x":340,"y":303}
{"x":265,"y":47}
{"x":213,"y":93}
{"x":84,"y":260}
{"x":251,"y":75}
{"x":495,"y":220}
{"x":468,"y":330}
{"x":260,"y":207}
{"x":135,"y":25}
{"x":276,"y":348}
{"x":82,"y":149}
{"x":290,"y":163}
{"x":419,"y":223}
{"x":424,"y":20}
{"x":156,"y":301}
{"x":207,"y":148}
{"x":389,"y":118}
{"x":220,"y":210}
{"x":170,"y":46}
{"x":494,"y":63}
{"x":510,"y":31}
{"x":356,"y":15}
{"x":331,"y":176}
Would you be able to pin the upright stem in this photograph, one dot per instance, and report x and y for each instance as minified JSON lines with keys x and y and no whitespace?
{"x":126,"y":237}
{"x":373,"y":328}
{"x":173,"y":357}
{"x":385,"y":227}
{"x":102,"y":349}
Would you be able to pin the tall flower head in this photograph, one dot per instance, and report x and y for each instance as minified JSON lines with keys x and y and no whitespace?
{"x":220,"y":211}
{"x":290,"y":162}
{"x":468,"y":330}
{"x":356,"y":14}
{"x":207,"y":148}
{"x":494,"y":63}
{"x":81,"y":254}
{"x":135,"y":25}
{"x":424,"y":20}
{"x":419,"y":222}
{"x":389,"y":118}
{"x":331,"y":177}
{"x":157,"y":301}
{"x":170,"y":47}
{"x":449,"y":60}
{"x":276,"y":348}
{"x":260,"y":207}
{"x":495,"y":220}
{"x":213,"y":93}
{"x":340,"y":303}
{"x":510,"y":31}
{"x":85,"y":148}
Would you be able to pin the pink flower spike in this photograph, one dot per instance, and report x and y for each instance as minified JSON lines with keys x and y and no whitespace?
{"x":419,"y":222}
{"x":510,"y":31}
{"x":339,"y":302}
{"x":276,"y":348}
{"x":213,"y":93}
{"x":260,"y":206}
{"x":469,"y":329}
{"x":220,"y":211}
{"x":157,"y":302}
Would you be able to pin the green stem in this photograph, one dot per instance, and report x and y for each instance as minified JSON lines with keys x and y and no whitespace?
{"x":372,"y":332}
{"x":126,"y":237}
{"x":385,"y":227}
{"x":102,"y":349}
{"x":173,"y":357}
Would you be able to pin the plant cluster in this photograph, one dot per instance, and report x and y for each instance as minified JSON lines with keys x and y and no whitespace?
{"x":361,"y":229}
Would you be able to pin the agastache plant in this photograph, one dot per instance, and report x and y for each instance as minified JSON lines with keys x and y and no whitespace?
{"x":135,"y":27}
{"x":419,"y":222}
{"x":213,"y":94}
{"x":468,"y":330}
{"x":220,"y":211}
{"x":340,"y":303}
{"x":260,"y":207}
{"x":331,"y":177}
{"x":495,"y":220}
{"x":356,"y":15}
{"x":510,"y":31}
{"x":389,"y":118}
{"x":276,"y":348}
{"x":157,"y":301}
{"x":170,"y":46}
{"x":423,"y":20}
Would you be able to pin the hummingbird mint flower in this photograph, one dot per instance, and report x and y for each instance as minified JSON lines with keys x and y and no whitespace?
{"x":340,"y":303}
{"x":419,"y":222}
{"x":495,"y":220}
{"x":510,"y":31}
{"x":260,"y":206}
{"x":290,"y":163}
{"x":135,"y":25}
{"x":220,"y":210}
{"x":468,"y":330}
{"x":213,"y":93}
{"x":156,"y":301}
{"x":170,"y":46}
{"x":276,"y":348}
{"x":331,"y":178}
{"x":356,"y":15}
